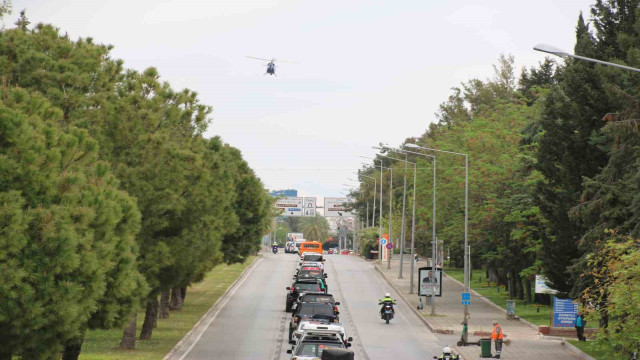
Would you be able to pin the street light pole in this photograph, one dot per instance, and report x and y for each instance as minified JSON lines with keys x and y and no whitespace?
{"x":563,"y":54}
{"x":375,"y":186}
{"x":402,"y":243}
{"x":466,"y":216}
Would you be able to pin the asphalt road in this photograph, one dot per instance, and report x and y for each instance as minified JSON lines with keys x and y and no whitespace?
{"x":253,"y":323}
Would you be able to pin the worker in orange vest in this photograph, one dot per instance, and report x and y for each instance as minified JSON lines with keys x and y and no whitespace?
{"x":497,"y":337}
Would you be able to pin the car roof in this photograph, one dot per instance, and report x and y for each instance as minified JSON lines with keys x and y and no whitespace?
{"x":318,"y":327}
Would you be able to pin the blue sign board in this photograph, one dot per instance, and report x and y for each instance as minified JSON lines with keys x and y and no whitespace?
{"x":564,"y":312}
{"x":383,"y":241}
{"x":466,"y":296}
{"x":466,"y":302}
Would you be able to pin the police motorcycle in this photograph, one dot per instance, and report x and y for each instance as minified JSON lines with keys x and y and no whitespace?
{"x":447,"y":354}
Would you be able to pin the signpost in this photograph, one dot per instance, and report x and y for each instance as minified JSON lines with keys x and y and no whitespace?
{"x":564,"y":312}
{"x":382,"y":241}
{"x":290,"y":206}
{"x":389,"y":246}
{"x":335,"y":207}
{"x":309,"y":206}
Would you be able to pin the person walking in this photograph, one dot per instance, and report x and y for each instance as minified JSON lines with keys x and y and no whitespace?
{"x":580,"y":324}
{"x":497,"y":337}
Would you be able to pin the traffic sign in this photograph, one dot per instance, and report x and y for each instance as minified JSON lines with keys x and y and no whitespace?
{"x":466,"y":296}
{"x":309,"y":206}
{"x":383,"y":241}
{"x":389,"y":246}
{"x":290,"y":206}
{"x":335,"y":207}
{"x":466,"y":302}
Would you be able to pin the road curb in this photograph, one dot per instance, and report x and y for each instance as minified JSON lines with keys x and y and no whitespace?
{"x":171,"y":355}
{"x":426,"y":323}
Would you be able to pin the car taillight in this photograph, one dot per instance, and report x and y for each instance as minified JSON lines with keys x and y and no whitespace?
{"x":293,"y":288}
{"x":295,"y":319}
{"x":318,"y":289}
{"x":335,"y":320}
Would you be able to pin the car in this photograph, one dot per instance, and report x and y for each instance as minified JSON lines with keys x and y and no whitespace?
{"x":312,"y":273}
{"x":318,"y":298}
{"x":299,"y":287}
{"x":344,"y":252}
{"x":330,"y":251}
{"x":313,"y":343}
{"x":307,"y":327}
{"x":312,"y":311}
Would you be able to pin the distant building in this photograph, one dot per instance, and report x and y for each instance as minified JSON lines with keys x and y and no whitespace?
{"x":288,"y":192}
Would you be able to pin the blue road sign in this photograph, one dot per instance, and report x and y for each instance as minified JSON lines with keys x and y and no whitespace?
{"x":466,"y":296}
{"x":466,"y":302}
{"x":383,"y":241}
{"x":564,"y":312}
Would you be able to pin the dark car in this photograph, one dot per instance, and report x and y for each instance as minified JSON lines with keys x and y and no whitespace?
{"x":312,"y":273}
{"x":315,"y":311}
{"x":300,"y":287}
{"x":318,"y":298}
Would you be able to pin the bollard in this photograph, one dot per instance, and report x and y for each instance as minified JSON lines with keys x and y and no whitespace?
{"x":538,"y":309}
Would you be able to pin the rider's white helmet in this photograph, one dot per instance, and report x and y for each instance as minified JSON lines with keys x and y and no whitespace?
{"x":387,"y":295}
{"x":446,"y":350}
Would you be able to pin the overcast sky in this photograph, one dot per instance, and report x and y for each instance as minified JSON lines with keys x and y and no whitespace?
{"x":359,"y":72}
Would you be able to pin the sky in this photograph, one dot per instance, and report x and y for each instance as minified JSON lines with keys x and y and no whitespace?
{"x":354,"y":74}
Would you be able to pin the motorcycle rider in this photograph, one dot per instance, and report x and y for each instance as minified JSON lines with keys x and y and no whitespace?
{"x":447,"y":354}
{"x":274,"y":248}
{"x":387,"y":299}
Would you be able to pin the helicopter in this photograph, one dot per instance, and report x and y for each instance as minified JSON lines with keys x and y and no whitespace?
{"x":271,"y":66}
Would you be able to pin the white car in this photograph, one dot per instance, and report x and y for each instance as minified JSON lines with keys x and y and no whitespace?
{"x":317,"y":338}
{"x":317,"y":327}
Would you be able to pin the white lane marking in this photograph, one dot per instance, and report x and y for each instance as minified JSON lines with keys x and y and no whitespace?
{"x":222,"y":305}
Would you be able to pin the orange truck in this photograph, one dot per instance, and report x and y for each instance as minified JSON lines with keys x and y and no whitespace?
{"x":311,"y":246}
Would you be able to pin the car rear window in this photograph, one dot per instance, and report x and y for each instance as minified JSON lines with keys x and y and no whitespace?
{"x":313,"y":257}
{"x":316,"y":309}
{"x":316,"y":349}
{"x":317,"y":298}
{"x":306,"y":286}
{"x":310,"y":273}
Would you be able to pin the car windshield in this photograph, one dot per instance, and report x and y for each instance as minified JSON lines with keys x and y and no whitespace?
{"x":316,"y":349}
{"x":306,"y":286}
{"x":310,"y":273}
{"x":313,"y":258}
{"x":316,"y":309}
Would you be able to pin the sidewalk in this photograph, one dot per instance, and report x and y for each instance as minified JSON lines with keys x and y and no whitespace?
{"x":524,"y":341}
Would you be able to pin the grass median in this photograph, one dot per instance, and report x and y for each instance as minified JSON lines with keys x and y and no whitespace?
{"x":104,"y":344}
{"x":534,"y":313}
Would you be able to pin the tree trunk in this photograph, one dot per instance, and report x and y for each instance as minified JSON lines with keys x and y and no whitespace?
{"x":512,"y":282}
{"x":149,"y":316}
{"x":176,"y":299}
{"x":519,"y":288}
{"x":183,"y":294}
{"x":73,"y":347}
{"x":6,"y":354}
{"x":528,"y":291}
{"x":164,"y":304}
{"x":129,"y":335}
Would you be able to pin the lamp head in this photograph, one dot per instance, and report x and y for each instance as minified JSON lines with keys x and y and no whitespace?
{"x":412,"y":146}
{"x":550,"y":50}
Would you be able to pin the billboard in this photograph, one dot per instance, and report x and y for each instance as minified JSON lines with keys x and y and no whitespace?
{"x":429,"y":281}
{"x":290,"y":206}
{"x":335,"y":207}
